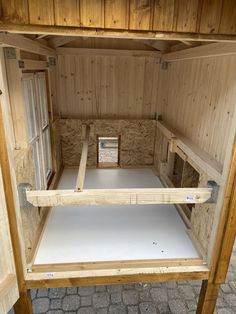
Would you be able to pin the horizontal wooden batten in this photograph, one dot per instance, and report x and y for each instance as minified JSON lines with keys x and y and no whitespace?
{"x":34,"y":64}
{"x":112,"y":276}
{"x":119,"y":196}
{"x":107,"y":52}
{"x":26,"y":44}
{"x":202,"y":159}
{"x":204,"y":51}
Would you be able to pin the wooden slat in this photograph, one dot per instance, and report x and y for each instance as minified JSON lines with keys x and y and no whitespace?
{"x":211,"y":50}
{"x":83,"y":162}
{"x":92,"y":13}
{"x":34,"y":64}
{"x":119,"y":196}
{"x":203,"y":160}
{"x":164,"y":15}
{"x":187,"y":16}
{"x":67,"y":12}
{"x":107,"y":52}
{"x":15,"y":11}
{"x":140,"y":14}
{"x":41,"y":12}
{"x":26,"y":44}
{"x":112,"y":276}
{"x":6,"y":285}
{"x":210,"y":17}
{"x":228,"y":17}
{"x":116,"y":14}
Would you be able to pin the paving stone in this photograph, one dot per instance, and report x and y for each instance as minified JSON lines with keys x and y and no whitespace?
{"x":33,"y":293}
{"x":145,"y":296}
{"x":233,"y":285}
{"x":130,"y":297}
{"x":157,"y":285}
{"x":114,"y":288}
{"x":129,"y":286}
{"x":221,"y":302}
{"x":40,"y":305}
{"x":101,"y":299}
{"x":147,"y":308}
{"x":86,"y":310}
{"x":55,"y":304}
{"x":163,"y":308}
{"x":71,"y":290}
{"x":141,"y":286}
{"x":177,"y":307}
{"x":56,"y":293}
{"x":173,"y":294}
{"x":117,"y":309}
{"x":159,"y":294}
{"x":83,"y":291}
{"x":86,"y":301}
{"x":42,"y":293}
{"x":197,"y":290}
{"x":195,"y":283}
{"x":226,"y":288}
{"x":116,"y":297}
{"x":171,"y":285}
{"x":102,"y":311}
{"x":71,"y":303}
{"x":230,"y":299}
{"x":225,"y":311}
{"x":56,"y":312}
{"x":186,"y":292}
{"x":191,"y":305}
{"x":133,"y":309}
{"x":101,"y":288}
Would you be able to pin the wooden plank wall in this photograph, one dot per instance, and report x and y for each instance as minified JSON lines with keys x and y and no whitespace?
{"x":195,"y":16}
{"x":108,"y":86}
{"x":197,"y":98}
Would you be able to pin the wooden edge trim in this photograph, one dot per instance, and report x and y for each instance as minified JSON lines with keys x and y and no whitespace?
{"x":7,"y":284}
{"x":115,"y":276}
{"x":83,"y":162}
{"x":197,"y":245}
{"x":117,"y":264}
{"x":43,"y":198}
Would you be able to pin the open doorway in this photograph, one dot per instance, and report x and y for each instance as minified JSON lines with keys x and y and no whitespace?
{"x":108,"y":151}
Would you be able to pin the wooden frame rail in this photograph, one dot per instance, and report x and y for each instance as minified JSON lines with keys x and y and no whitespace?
{"x":83,"y":160}
{"x":119,"y":196}
{"x":202,"y":159}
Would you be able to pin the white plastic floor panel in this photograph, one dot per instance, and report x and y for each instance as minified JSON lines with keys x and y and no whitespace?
{"x":113,"y":232}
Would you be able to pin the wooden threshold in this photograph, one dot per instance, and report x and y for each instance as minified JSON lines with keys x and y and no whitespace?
{"x":119,"y":196}
{"x":115,"y":276}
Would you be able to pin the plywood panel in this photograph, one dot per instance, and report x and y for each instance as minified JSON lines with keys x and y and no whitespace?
{"x":41,"y":12}
{"x":199,"y":101}
{"x":92,"y":13}
{"x":228,"y":18}
{"x":187,"y":15}
{"x":210,"y":17}
{"x":15,"y":11}
{"x":141,"y":14}
{"x":137,"y":140}
{"x":108,"y":86}
{"x":67,"y":12}
{"x":164,"y":15}
{"x":116,"y":13}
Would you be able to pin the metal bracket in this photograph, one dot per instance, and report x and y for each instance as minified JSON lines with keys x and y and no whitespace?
{"x":52,"y":61}
{"x":164,"y":65}
{"x":21,"y":64}
{"x":215,"y":191}
{"x":22,"y":188}
{"x":10,"y":53}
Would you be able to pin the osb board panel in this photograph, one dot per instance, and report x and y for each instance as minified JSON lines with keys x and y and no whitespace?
{"x":136,"y":144}
{"x":108,"y":86}
{"x":198,"y":100}
{"x":202,"y":220}
{"x":31,"y":218}
{"x":191,"y":16}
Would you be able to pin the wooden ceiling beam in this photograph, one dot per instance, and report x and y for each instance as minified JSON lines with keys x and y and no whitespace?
{"x":59,"y":41}
{"x":26,"y":44}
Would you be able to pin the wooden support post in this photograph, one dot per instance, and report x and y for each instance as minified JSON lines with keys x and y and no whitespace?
{"x":208,"y":297}
{"x":24,"y":303}
{"x":83,"y":161}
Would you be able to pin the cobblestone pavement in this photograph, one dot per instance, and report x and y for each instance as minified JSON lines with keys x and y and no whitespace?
{"x":171,"y":297}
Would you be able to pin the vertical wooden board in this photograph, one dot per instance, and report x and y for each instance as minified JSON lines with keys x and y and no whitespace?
{"x":15,"y":11}
{"x":92,"y":13}
{"x":210,"y":16}
{"x":228,"y":18}
{"x":67,"y":12}
{"x":163,"y":15}
{"x":116,"y":14}
{"x":187,"y":16}
{"x":140,"y":14}
{"x":41,"y":12}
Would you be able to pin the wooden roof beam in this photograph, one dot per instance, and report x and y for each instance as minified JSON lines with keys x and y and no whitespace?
{"x":26,"y":44}
{"x":59,"y":41}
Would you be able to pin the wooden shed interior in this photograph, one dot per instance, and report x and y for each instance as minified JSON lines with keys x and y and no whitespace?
{"x":162,"y":103}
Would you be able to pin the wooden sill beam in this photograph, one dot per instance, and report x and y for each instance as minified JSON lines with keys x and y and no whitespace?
{"x":83,"y":160}
{"x":202,"y":159}
{"x":26,"y":44}
{"x":49,"y":198}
